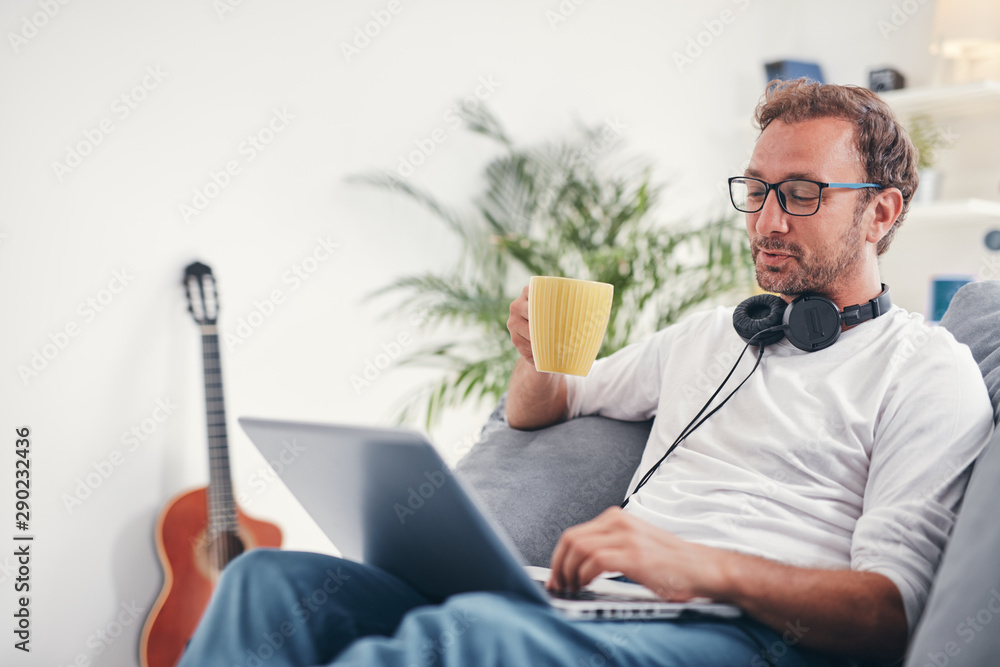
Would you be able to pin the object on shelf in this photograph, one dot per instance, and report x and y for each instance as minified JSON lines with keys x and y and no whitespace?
{"x":929,"y":189}
{"x":928,"y":140}
{"x":793,"y":69}
{"x":942,"y":289}
{"x":881,"y":80}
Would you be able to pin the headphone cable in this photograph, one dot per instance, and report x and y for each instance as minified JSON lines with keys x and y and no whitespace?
{"x":689,"y":429}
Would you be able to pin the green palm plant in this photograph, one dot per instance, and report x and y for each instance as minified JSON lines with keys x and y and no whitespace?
{"x":553,"y":210}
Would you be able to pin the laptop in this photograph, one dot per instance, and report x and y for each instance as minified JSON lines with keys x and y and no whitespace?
{"x":386,"y":498}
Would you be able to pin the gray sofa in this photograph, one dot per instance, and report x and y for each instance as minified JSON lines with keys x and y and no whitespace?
{"x":536,"y":484}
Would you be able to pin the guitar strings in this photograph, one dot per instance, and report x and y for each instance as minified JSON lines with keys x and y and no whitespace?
{"x":222,"y":519}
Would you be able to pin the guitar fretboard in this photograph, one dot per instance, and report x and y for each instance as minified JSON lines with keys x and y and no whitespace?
{"x":221,"y":506}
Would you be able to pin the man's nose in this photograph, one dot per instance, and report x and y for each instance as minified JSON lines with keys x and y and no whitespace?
{"x":771,"y":218}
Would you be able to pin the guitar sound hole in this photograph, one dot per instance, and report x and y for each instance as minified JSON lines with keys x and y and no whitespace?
{"x":223,"y":548}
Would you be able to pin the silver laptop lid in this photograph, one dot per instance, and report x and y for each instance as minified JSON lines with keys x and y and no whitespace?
{"x":384,"y":497}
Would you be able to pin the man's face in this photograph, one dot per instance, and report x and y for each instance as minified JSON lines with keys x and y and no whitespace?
{"x":820,"y":252}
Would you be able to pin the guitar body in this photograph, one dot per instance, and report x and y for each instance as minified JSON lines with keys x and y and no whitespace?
{"x":189,"y":557}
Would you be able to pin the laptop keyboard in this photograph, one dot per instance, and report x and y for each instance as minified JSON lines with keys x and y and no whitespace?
{"x":577,"y":595}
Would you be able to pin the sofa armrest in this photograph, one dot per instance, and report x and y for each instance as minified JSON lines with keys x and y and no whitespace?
{"x":961,"y":621}
{"x":536,"y":484}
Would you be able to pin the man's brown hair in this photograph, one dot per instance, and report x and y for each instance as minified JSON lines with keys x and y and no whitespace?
{"x":889,"y":156}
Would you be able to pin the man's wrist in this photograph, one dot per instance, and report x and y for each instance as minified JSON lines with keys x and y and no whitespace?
{"x":535,"y":399}
{"x":723,"y":576}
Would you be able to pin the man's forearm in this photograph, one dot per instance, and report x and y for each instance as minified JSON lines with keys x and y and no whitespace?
{"x":534,"y":399}
{"x":857,"y":613}
{"x":860,"y":613}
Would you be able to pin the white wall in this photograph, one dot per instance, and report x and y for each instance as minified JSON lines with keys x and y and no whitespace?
{"x":63,"y":239}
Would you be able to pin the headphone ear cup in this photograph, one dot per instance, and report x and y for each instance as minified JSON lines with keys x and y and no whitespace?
{"x":812,"y":322}
{"x":760,"y":312}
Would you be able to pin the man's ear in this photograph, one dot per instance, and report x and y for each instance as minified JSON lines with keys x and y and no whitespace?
{"x":887,"y":206}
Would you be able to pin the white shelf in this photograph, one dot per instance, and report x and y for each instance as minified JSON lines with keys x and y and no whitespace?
{"x":946,"y":101}
{"x":954,"y":211}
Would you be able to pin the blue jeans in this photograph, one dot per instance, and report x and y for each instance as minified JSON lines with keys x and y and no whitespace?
{"x":275,"y":608}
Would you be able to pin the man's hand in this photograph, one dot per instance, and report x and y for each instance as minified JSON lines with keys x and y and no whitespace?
{"x":616,"y":541}
{"x":534,"y":399}
{"x":517,"y":325}
{"x":844,"y":611}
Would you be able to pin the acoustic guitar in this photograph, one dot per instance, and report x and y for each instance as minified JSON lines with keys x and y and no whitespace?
{"x":199,"y":531}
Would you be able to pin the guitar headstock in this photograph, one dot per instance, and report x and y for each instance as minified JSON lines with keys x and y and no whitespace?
{"x":203,"y":302}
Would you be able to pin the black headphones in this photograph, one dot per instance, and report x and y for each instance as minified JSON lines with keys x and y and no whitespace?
{"x":810,"y":322}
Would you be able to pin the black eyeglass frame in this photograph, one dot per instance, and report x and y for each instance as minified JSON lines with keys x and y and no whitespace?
{"x":781,"y":198}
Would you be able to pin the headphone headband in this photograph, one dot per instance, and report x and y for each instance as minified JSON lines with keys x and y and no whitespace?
{"x":857,"y":314}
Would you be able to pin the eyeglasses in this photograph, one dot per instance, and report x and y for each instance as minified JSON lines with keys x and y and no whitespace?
{"x":796,"y":196}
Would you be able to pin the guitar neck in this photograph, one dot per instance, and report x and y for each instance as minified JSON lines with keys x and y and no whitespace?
{"x":221,"y":506}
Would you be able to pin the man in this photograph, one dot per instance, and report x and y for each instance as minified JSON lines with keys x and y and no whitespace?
{"x":818,"y":499}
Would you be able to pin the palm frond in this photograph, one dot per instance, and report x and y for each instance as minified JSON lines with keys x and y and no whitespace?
{"x":551,"y":209}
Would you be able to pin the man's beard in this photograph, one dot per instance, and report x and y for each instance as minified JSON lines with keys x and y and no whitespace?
{"x":819,"y":274}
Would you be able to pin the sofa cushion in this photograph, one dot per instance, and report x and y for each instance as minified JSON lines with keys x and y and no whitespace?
{"x":973,"y":318}
{"x":961,"y":622}
{"x":536,"y":484}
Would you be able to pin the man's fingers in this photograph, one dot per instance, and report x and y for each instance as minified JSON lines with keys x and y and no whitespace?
{"x":576,"y":545}
{"x":584,"y":561}
{"x":517,"y":324}
{"x":608,"y":558}
{"x":601,"y":544}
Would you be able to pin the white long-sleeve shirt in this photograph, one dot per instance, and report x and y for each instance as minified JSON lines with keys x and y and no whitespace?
{"x":856,"y":456}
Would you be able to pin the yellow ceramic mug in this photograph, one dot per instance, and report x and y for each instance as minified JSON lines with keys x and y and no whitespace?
{"x":567,"y":319}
